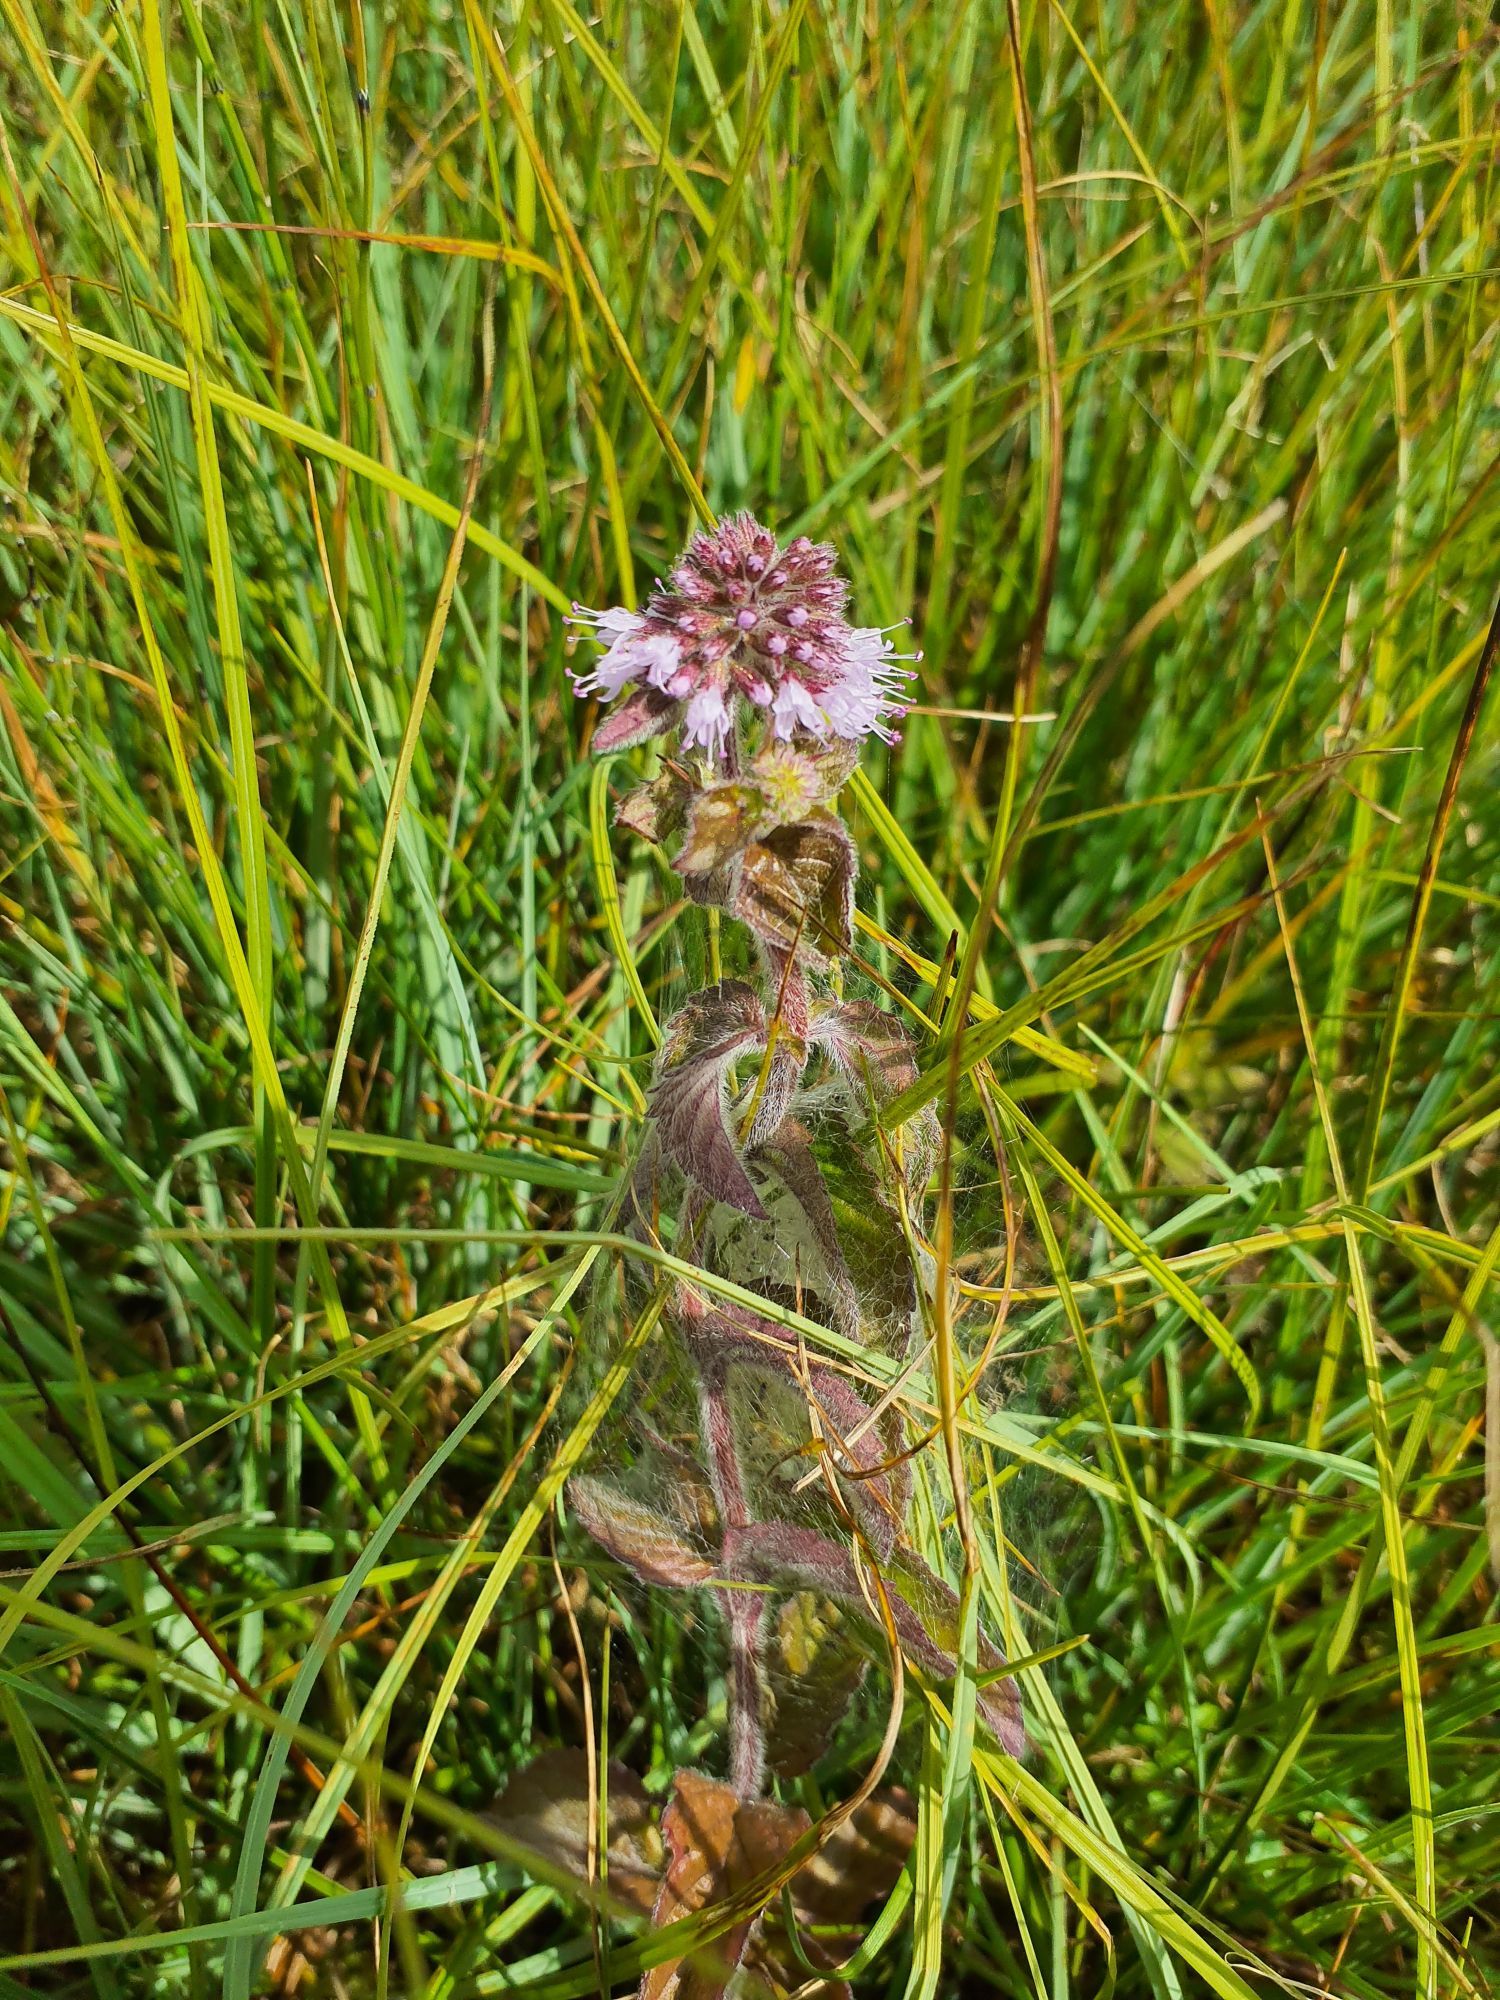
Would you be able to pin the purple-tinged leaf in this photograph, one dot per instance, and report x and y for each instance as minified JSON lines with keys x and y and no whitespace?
{"x":776,"y":1552}
{"x":924,"y":1609}
{"x":710,"y":1324}
{"x":874,"y":1055}
{"x":868,"y":1044}
{"x":648,"y":1544}
{"x":641,"y":715}
{"x":788,"y":1060}
{"x":878,"y":1492}
{"x":690,"y":1096}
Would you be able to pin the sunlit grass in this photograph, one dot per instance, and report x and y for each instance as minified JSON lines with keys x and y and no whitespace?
{"x":1147,"y":361}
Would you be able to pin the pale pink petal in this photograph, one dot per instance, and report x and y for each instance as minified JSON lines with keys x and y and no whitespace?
{"x":613,"y":622}
{"x":794,"y":709}
{"x":707,"y":721}
{"x":663,"y":658}
{"x":620,"y":662}
{"x":868,"y":691}
{"x":632,"y":654}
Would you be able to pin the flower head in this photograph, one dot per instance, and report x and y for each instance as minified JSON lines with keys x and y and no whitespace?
{"x":743,"y":620}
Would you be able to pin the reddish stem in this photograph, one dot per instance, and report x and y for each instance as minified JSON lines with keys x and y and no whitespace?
{"x":743,"y":1610}
{"x":792,"y":998}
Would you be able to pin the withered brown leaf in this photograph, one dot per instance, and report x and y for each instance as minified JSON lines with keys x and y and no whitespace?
{"x":716,"y":1844}
{"x":720,"y":825}
{"x":545,"y":1806}
{"x":796,"y":887}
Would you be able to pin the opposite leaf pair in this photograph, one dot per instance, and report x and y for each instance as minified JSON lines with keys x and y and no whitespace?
{"x":707,"y":1131}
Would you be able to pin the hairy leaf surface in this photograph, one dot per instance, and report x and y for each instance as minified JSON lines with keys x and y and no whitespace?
{"x":690,"y":1097}
{"x":636,"y":1535}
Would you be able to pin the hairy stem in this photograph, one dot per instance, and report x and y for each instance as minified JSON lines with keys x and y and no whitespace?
{"x":743,"y":1610}
{"x":746,"y":1614}
{"x":723,"y":1453}
{"x":791,"y":997}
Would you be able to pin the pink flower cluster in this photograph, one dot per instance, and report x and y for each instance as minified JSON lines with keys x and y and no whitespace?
{"x":744,"y":620}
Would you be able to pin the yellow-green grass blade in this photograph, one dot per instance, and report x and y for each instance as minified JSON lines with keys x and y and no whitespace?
{"x":292,"y":431}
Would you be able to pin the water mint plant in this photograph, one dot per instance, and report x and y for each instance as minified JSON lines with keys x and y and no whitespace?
{"x":785,"y":1497}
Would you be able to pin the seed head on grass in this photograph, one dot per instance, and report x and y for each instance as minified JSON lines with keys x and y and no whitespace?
{"x":744,"y":621}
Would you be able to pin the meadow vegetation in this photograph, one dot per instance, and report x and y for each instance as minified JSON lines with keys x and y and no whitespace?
{"x":1146,"y":360}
